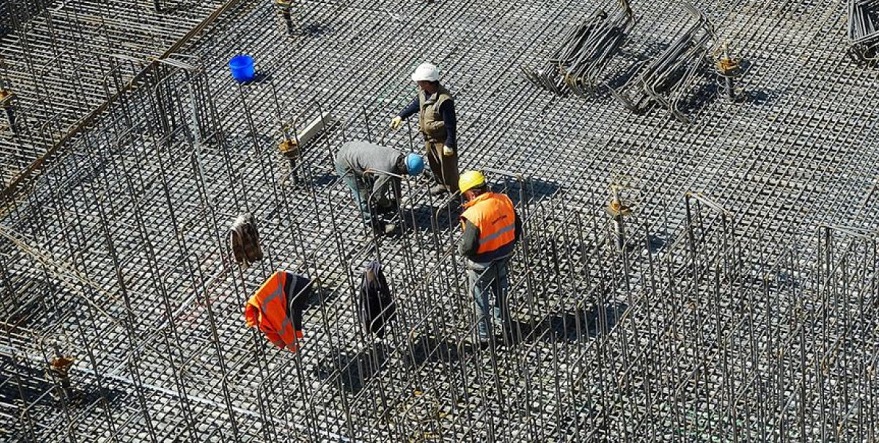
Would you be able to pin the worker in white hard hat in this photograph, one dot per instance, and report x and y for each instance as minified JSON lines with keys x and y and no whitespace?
{"x":284,"y":9}
{"x":437,"y":123}
{"x":491,"y":229}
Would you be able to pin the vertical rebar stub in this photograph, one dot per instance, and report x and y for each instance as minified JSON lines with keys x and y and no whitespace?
{"x":616,"y":207}
{"x":728,"y":69}
{"x":58,"y":373}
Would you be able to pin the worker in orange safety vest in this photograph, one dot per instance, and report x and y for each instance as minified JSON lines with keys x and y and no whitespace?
{"x":491,"y":230}
{"x":276,"y":308}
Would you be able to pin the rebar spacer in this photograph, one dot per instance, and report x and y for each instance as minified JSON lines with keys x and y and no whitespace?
{"x":6,"y":97}
{"x":289,"y":148}
{"x":617,"y":208}
{"x":61,"y":364}
{"x":725,"y":64}
{"x":728,"y":66}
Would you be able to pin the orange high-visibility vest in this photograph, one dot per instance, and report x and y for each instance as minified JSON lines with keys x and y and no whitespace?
{"x":267,"y":311}
{"x":493,"y":215}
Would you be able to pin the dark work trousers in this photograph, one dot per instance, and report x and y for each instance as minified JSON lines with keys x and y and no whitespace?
{"x":483,"y":283}
{"x":445,"y":169}
{"x":288,"y":20}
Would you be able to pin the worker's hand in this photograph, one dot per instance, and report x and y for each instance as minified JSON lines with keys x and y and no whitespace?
{"x":447,"y":151}
{"x":396,"y":123}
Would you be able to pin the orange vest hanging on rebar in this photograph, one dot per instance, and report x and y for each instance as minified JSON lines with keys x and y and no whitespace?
{"x":495,"y":218}
{"x":267,"y":311}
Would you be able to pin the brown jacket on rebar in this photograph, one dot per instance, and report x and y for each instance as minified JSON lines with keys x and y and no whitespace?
{"x":430,"y":121}
{"x":244,"y":240}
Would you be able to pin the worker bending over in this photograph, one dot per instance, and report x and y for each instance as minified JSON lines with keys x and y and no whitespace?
{"x":371,"y":171}
{"x":491,"y":229}
{"x":276,"y":309}
{"x":438,"y":125}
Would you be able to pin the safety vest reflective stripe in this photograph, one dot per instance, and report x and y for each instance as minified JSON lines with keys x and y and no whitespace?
{"x":504,"y":230}
{"x":276,"y":292}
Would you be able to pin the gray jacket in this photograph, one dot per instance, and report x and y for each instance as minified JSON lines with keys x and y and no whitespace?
{"x":357,"y":157}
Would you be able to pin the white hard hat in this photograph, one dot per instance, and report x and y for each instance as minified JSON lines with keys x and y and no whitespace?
{"x":425,"y":72}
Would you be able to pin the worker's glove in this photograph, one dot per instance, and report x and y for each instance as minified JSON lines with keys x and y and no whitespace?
{"x":447,"y":151}
{"x":396,"y":123}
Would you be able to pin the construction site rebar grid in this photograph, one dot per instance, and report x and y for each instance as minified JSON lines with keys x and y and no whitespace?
{"x":65,"y":60}
{"x":676,"y":282}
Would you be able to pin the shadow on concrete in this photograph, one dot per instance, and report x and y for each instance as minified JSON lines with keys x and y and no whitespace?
{"x":655,"y":243}
{"x":426,"y":348}
{"x":589,"y":323}
{"x":570,"y":327}
{"x":350,"y":370}
{"x":762,"y":97}
{"x":531,"y":190}
{"x":26,"y":384}
{"x":316,"y":30}
{"x":429,"y":218}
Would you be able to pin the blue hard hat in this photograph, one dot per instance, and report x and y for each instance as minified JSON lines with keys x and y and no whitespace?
{"x":414,"y":164}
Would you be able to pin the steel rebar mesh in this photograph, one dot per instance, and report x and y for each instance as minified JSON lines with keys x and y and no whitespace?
{"x":698,"y":317}
{"x":64,"y":59}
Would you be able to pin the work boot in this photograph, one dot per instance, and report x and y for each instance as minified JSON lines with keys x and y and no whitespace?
{"x":438,"y":189}
{"x":386,"y":207}
{"x":382,"y":228}
{"x":503,"y":330}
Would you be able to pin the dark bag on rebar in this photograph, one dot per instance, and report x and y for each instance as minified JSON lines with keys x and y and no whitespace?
{"x":376,"y":306}
{"x":244,"y":240}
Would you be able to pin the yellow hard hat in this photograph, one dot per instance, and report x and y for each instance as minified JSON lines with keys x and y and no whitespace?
{"x":470,"y":180}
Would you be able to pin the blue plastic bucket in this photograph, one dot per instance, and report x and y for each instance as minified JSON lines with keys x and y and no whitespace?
{"x":242,"y":68}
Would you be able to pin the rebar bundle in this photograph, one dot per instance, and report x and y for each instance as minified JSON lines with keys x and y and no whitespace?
{"x":668,"y":79}
{"x":578,"y":63}
{"x":862,"y":31}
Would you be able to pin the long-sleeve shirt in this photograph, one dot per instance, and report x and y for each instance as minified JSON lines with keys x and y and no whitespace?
{"x":358,"y":157}
{"x":469,"y":243}
{"x":447,"y":111}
